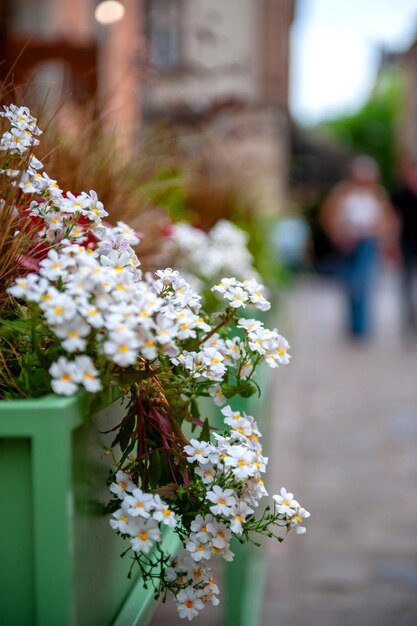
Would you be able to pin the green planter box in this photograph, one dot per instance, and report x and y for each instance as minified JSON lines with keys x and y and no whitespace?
{"x":245,"y":576}
{"x":60,"y":559}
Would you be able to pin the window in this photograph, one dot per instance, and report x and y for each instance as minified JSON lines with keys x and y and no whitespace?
{"x":164,"y":33}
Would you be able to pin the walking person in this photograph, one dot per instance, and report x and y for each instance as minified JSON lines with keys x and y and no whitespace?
{"x":357,"y":217}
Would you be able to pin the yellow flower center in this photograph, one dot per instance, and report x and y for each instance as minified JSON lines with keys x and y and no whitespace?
{"x":143,"y":535}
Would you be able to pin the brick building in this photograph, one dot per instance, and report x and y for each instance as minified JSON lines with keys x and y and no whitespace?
{"x":218,"y":66}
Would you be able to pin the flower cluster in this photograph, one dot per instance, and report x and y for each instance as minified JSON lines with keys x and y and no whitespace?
{"x":225,"y":487}
{"x":141,"y":514}
{"x":239,"y":294}
{"x":90,"y":319}
{"x":23,"y":130}
{"x":59,"y":217}
{"x":221,"y":251}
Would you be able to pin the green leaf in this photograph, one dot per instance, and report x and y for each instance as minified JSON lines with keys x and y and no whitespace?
{"x":130,"y":375}
{"x":155,"y":469}
{"x":195,"y":408}
{"x":126,"y":431}
{"x":229,"y":390}
{"x":205,"y":431}
{"x":246,"y":388}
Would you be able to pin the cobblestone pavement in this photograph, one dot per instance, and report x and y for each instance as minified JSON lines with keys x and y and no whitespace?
{"x":345,"y":441}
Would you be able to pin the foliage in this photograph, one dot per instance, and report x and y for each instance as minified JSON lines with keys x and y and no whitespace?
{"x":372,"y":129}
{"x":88,"y":318}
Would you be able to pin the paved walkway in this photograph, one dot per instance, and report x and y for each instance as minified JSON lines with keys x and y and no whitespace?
{"x":345,"y":440}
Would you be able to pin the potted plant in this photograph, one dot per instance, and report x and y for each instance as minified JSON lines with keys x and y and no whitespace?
{"x":83,"y":321}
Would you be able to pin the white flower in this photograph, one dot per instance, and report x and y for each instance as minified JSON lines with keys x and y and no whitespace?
{"x":146,"y":532}
{"x":207,"y":473}
{"x":127,"y":232}
{"x":139,"y":504}
{"x":223,"y":500}
{"x":297,"y":519}
{"x":87,"y":373}
{"x":188,"y":603}
{"x":122,"y":348}
{"x":73,"y":333}
{"x":199,"y":527}
{"x":250,"y":325}
{"x":225,"y":284}
{"x":285,"y":503}
{"x":213,"y":361}
{"x":28,"y":287}
{"x":232,"y":417}
{"x":65,"y":377}
{"x":164,"y":514}
{"x":123,"y":485}
{"x":197,"y":549}
{"x":221,"y":535}
{"x":120,"y":521}
{"x":54,"y":266}
{"x":217,"y":394}
{"x":241,"y":459}
{"x":237,"y":297}
{"x":198,"y":451}
{"x":72,"y":203}
{"x":58,"y":310}
{"x":240,"y":511}
{"x":279,"y":353}
{"x":92,"y":316}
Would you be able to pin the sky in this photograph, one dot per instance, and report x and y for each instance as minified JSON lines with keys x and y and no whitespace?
{"x":335,"y":50}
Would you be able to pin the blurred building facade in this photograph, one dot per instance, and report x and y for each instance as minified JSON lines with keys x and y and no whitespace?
{"x":218,"y":67}
{"x":221,"y":68}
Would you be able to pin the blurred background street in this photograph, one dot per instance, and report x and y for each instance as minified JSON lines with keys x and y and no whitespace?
{"x":346,"y":435}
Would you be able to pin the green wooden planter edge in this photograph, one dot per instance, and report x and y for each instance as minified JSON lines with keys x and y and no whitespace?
{"x":37,"y":418}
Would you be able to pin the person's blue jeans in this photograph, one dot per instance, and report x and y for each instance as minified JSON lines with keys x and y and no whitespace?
{"x":358,"y":269}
